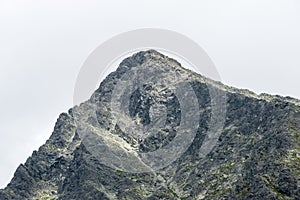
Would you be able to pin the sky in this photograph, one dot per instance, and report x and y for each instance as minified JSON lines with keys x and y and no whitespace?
{"x":254,"y":44}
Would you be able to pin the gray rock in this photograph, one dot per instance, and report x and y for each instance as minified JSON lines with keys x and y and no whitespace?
{"x":256,"y":154}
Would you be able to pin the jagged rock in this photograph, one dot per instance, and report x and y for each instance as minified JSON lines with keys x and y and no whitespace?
{"x":256,"y":154}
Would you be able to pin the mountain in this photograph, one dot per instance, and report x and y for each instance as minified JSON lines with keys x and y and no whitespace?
{"x":155,"y":130}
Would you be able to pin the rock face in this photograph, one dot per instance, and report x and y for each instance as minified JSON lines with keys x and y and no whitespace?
{"x":252,"y":141}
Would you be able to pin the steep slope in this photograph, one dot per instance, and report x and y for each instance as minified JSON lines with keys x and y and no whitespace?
{"x":252,"y":143}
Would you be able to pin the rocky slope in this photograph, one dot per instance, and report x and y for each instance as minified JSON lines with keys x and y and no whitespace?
{"x":244,"y":146}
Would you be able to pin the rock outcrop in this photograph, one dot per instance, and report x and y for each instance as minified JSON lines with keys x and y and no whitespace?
{"x":252,"y":141}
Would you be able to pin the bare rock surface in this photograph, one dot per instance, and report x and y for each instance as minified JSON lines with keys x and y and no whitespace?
{"x":256,"y":154}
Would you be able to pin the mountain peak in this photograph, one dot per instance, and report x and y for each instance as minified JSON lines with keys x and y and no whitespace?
{"x":154,"y":130}
{"x":151,"y":58}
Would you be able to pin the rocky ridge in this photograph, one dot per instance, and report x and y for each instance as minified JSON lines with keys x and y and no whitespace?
{"x":256,"y":156}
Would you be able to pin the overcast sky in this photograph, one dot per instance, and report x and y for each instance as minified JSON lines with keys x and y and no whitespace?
{"x":255,"y":44}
